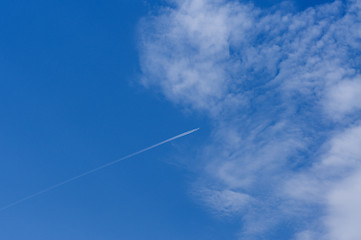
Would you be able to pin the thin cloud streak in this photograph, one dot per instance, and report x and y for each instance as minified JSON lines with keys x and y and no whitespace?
{"x":97,"y":169}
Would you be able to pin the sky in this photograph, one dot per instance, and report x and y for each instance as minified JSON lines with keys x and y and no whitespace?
{"x":274,"y":86}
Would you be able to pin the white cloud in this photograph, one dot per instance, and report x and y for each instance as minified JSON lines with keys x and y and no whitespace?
{"x":344,"y":216}
{"x":343,"y":98}
{"x":226,"y":201}
{"x":345,"y":150}
{"x":282,"y":90}
{"x":335,"y":181}
{"x":187,"y":54}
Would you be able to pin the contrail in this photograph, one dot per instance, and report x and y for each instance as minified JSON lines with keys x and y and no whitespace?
{"x":96,"y":169}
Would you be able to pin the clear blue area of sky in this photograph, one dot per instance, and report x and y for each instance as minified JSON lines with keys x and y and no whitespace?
{"x":69,"y":102}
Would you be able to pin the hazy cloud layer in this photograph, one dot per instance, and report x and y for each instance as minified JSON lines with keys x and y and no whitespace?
{"x":283,"y":90}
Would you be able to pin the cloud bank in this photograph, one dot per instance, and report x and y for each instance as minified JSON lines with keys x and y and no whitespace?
{"x":283,"y":91}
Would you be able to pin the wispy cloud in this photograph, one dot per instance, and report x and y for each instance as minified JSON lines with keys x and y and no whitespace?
{"x":283,"y":91}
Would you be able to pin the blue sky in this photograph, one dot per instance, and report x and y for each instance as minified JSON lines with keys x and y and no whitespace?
{"x":275,"y":88}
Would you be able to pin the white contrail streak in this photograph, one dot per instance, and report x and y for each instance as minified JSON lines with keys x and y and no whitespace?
{"x":96,"y":169}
